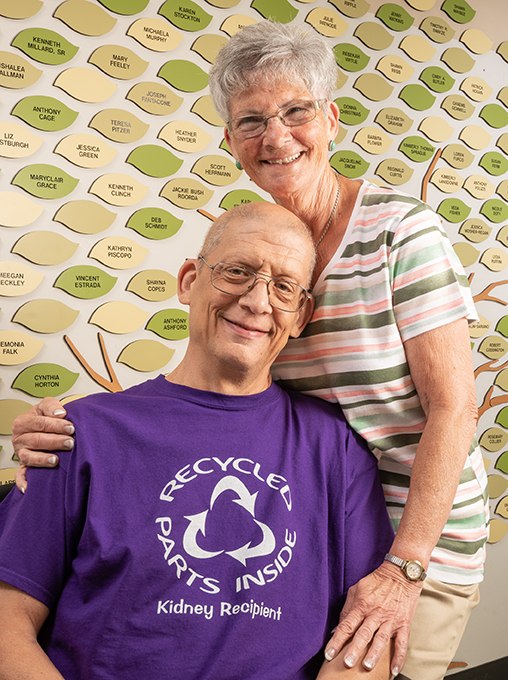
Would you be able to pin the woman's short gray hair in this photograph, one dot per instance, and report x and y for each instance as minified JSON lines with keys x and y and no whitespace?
{"x":269,"y":49}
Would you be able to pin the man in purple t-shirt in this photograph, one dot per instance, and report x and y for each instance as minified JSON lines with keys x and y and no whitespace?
{"x":208,"y":523}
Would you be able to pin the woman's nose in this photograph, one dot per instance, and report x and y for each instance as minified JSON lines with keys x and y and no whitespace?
{"x":276,"y":133}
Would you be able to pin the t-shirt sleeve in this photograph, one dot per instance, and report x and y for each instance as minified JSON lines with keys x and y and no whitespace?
{"x":430,"y":288}
{"x":368,"y":530}
{"x":36,"y":537}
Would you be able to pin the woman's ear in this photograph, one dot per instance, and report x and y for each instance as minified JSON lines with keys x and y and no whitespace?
{"x":230,"y":142}
{"x":333,"y":119}
{"x":302,"y":318}
{"x":186,"y":277}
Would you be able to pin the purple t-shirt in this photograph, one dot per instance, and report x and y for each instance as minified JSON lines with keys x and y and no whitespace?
{"x":196,"y":535}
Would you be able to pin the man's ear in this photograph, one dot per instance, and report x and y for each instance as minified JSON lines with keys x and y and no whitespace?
{"x":302,"y":318}
{"x":186,"y":277}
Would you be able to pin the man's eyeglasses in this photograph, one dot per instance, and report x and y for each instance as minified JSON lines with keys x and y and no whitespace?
{"x":235,"y":279}
{"x":296,"y":113}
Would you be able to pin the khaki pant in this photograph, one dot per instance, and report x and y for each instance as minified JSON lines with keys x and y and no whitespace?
{"x":441,"y":617}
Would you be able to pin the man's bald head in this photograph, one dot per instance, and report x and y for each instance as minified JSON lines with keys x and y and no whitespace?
{"x":232,"y":220}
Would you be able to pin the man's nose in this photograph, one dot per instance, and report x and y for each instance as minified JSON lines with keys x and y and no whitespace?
{"x":257,"y":297}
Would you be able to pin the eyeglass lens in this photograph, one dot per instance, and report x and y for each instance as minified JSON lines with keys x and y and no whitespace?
{"x":233,"y":279}
{"x":297,"y":113}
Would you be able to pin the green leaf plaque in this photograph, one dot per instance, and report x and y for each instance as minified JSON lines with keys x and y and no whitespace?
{"x":45,"y":380}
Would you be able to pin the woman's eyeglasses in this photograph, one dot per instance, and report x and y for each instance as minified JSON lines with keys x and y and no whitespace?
{"x":296,"y":113}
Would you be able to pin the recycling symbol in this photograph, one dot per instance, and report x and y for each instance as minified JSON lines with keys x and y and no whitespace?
{"x":246,"y":500}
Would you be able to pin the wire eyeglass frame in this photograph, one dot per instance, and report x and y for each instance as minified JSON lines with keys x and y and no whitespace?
{"x":301,"y":294}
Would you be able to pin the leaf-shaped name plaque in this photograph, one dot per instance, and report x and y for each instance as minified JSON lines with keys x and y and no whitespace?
{"x":85,"y":84}
{"x":145,"y":355}
{"x":153,"y":284}
{"x":119,"y":189}
{"x":17,"y":210}
{"x":45,"y":380}
{"x":155,"y":34}
{"x":45,"y":316}
{"x":85,"y":217}
{"x":18,"y":347}
{"x":188,"y":16}
{"x":186,"y":193}
{"x":85,"y":17}
{"x":154,"y":160}
{"x":184,"y":75}
{"x":16,"y":72}
{"x":16,"y":141}
{"x":239,"y":197}
{"x":171,"y":324}
{"x":45,"y":181}
{"x":119,"y":125}
{"x":10,"y":409}
{"x":85,"y":282}
{"x":118,"y":62}
{"x":154,"y":223}
{"x":44,"y":247}
{"x":44,"y":113}
{"x":277,"y":10}
{"x":216,"y":170}
{"x":118,"y":252}
{"x":45,"y":46}
{"x":17,"y":279}
{"x":119,"y":317}
{"x":155,"y":98}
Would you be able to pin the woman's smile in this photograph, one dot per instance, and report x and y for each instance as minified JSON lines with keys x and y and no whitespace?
{"x":283,"y":161}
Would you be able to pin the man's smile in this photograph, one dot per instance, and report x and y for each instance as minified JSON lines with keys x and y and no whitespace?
{"x":245,"y":328}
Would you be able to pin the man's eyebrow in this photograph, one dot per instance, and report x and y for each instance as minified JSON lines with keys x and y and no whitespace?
{"x":255,"y":268}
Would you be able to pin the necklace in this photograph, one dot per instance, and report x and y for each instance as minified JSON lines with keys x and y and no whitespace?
{"x":330,"y":219}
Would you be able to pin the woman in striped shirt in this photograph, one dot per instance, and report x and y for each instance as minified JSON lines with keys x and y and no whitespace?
{"x":388,"y":342}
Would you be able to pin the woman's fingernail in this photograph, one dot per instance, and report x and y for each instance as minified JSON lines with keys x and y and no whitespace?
{"x":349,"y":661}
{"x":395,"y":672}
{"x":68,"y":443}
{"x":330,"y":653}
{"x":23,"y":489}
{"x":52,"y":460}
{"x":59,"y":412}
{"x":368,"y":664}
{"x":69,"y":429}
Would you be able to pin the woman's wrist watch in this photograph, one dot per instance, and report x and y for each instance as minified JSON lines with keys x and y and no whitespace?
{"x":412,"y":569}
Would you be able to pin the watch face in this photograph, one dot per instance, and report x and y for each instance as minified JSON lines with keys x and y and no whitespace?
{"x":413,"y":570}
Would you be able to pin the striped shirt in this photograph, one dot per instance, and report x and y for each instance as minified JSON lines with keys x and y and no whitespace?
{"x":394,"y":277}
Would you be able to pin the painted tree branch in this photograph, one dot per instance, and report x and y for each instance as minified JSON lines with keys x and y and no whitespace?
{"x":111,"y":384}
{"x":497,"y":401}
{"x":426,"y":177}
{"x":490,"y":402}
{"x":485,"y":405}
{"x":489,"y":366}
{"x":485,"y":295}
{"x":206,"y":214}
